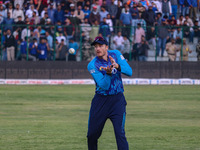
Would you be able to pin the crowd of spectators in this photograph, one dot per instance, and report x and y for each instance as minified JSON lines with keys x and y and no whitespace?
{"x":46,"y":29}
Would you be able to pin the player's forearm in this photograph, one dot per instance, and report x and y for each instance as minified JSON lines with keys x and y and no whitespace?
{"x":126,"y":69}
{"x":105,"y":82}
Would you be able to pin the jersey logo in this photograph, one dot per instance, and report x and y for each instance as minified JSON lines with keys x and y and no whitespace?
{"x":122,"y":57}
{"x":92,"y":71}
{"x":114,"y":71}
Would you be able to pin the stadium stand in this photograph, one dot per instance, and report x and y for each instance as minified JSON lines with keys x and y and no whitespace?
{"x":39,"y":26}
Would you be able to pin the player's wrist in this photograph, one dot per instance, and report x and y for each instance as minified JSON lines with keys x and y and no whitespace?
{"x":119,"y":67}
{"x":109,"y":73}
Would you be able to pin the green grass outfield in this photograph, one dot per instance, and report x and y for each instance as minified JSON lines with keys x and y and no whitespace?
{"x":56,"y":117}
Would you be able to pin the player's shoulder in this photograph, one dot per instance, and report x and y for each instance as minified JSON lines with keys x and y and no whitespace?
{"x":91,"y":64}
{"x":114,"y":52}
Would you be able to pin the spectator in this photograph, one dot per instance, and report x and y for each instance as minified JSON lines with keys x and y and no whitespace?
{"x":48,"y":26}
{"x":198,"y":50}
{"x":150,"y":16}
{"x":10,"y":10}
{"x":43,"y":20}
{"x":126,"y":20}
{"x":72,"y":7}
{"x":185,"y":4}
{"x":162,"y":37}
{"x":23,"y":51}
{"x":44,"y":11}
{"x":142,"y":11}
{"x":25,"y":32}
{"x":174,"y":4}
{"x":178,"y":35}
{"x":18,"y":12}
{"x":154,"y":8}
{"x":34,"y":20}
{"x":96,"y":6}
{"x":134,"y":11}
{"x":86,"y":11}
{"x":94,"y":30}
{"x":87,"y":50}
{"x":116,"y":2}
{"x":62,"y":51}
{"x":69,"y":30}
{"x":33,"y":48}
{"x":185,"y":51}
{"x":80,"y":3}
{"x":88,"y":4}
{"x":173,"y":21}
{"x":194,"y":9}
{"x":166,"y":8}
{"x":51,"y":12}
{"x":74,"y":19}
{"x":180,"y":20}
{"x":104,"y":29}
{"x":103,"y":13}
{"x":79,"y":13}
{"x":118,"y":41}
{"x":41,"y":5}
{"x":171,"y":49}
{"x":85,"y":28}
{"x":29,"y":12}
{"x":43,"y":47}
{"x":104,"y":3}
{"x":158,"y":5}
{"x":144,"y":3}
{"x":113,"y":11}
{"x":73,"y":44}
{"x":59,"y":14}
{"x":142,"y":50}
{"x":10,"y":45}
{"x":196,"y":29}
{"x":158,"y":20}
{"x":60,"y":37}
{"x":189,"y":20}
{"x":50,"y":53}
{"x":127,"y":48}
{"x":39,"y":33}
{"x":20,"y":2}
{"x":118,"y":23}
{"x":109,"y":22}
{"x":19,"y":27}
{"x":139,"y":33}
{"x":8,"y":22}
{"x":151,"y":37}
{"x":29,"y":3}
{"x":186,"y":31}
{"x":2,"y":13}
{"x":94,"y":15}
{"x":125,"y":6}
{"x":18,"y":50}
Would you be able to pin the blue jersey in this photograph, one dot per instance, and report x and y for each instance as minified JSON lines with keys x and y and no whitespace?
{"x":109,"y":84}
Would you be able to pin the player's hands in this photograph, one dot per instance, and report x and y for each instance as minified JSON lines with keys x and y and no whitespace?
{"x":113,"y":62}
{"x":108,"y":69}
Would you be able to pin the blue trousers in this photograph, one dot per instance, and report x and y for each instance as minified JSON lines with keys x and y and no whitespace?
{"x":103,"y":107}
{"x":174,"y":10}
{"x":161,"y":45}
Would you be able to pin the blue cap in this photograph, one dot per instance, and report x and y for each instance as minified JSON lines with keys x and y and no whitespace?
{"x":99,"y":40}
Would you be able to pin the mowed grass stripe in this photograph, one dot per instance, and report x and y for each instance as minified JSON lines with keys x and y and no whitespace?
{"x":56,"y":117}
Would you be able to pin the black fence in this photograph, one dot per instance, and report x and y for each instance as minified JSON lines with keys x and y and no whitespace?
{"x":78,"y":70}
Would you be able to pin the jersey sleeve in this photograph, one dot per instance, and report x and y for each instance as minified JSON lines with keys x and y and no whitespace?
{"x":125,"y":68}
{"x":102,"y":81}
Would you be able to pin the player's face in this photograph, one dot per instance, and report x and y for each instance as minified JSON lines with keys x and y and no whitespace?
{"x":101,"y":50}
